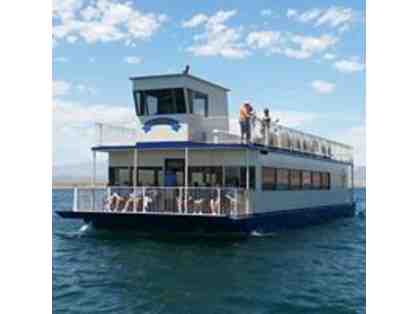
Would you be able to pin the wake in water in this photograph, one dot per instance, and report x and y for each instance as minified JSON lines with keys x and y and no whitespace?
{"x":259,"y":233}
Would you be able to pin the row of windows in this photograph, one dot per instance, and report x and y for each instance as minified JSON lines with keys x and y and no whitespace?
{"x":272,"y":178}
{"x":170,"y":101}
{"x":292,"y":179}
{"x":198,"y":176}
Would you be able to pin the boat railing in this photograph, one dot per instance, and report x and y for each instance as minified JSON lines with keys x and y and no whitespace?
{"x":276,"y":136}
{"x":213,"y":201}
{"x":279,"y":136}
{"x":108,"y":135}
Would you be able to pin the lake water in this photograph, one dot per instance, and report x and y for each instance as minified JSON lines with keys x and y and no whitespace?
{"x":318,"y":269}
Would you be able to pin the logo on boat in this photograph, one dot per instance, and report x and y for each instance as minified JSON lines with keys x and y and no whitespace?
{"x":174,"y":124}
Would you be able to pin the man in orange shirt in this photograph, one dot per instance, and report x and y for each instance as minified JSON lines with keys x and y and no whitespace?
{"x":244,"y":121}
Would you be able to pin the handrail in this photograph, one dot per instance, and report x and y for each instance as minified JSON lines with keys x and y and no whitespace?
{"x":213,"y":201}
{"x":276,"y":136}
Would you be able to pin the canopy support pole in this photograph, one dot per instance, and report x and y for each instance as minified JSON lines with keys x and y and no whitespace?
{"x":135,"y":171}
{"x":93,"y":182}
{"x":186,"y":179}
{"x":247,"y":183}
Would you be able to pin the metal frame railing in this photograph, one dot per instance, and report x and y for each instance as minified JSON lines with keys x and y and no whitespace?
{"x":213,"y":201}
{"x":276,"y":135}
{"x":290,"y":139}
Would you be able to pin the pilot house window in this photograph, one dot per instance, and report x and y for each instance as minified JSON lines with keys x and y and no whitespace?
{"x":160,"y":101}
{"x":198,"y":103}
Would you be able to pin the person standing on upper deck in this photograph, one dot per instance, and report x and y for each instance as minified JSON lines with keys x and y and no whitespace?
{"x":265,"y":126}
{"x":244,"y":121}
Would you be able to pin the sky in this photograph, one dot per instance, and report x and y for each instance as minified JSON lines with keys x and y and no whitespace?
{"x":302,"y":59}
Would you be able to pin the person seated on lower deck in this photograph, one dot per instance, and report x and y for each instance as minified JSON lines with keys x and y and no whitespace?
{"x":215,"y":200}
{"x":113,"y":201}
{"x":134,"y":201}
{"x":196,"y":199}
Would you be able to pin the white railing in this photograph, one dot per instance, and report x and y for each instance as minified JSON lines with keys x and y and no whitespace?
{"x":276,"y":136}
{"x":163,"y":200}
{"x":290,"y":139}
{"x":108,"y":135}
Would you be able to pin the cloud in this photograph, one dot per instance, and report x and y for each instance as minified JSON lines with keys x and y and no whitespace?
{"x":323,"y":87}
{"x":263,"y":39}
{"x":333,"y":17}
{"x":74,"y":130}
{"x":266,"y":12}
{"x":291,"y":45}
{"x":60,"y":88}
{"x":336,"y":16}
{"x":60,"y":60}
{"x":356,"y":137}
{"x":196,"y":20}
{"x":309,"y":15}
{"x":349,"y":66}
{"x":291,"y":13}
{"x":217,"y":38}
{"x":102,"y":21}
{"x":329,"y":56}
{"x":132,"y":60}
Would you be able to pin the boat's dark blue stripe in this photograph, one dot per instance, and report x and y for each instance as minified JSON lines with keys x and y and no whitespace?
{"x":265,"y":222}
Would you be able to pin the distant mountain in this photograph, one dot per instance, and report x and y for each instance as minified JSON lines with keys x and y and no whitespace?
{"x":78,"y":173}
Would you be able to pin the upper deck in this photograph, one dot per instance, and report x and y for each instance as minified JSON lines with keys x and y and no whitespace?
{"x":187,"y":109}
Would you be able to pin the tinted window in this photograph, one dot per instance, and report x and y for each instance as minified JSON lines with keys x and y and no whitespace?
{"x":316,"y":180}
{"x":282,"y":180}
{"x":325,"y":182}
{"x":161,"y":101}
{"x":306,"y":179}
{"x":198,"y":103}
{"x":295,"y":179}
{"x":120,"y":176}
{"x":269,"y":178}
{"x":237,"y":177}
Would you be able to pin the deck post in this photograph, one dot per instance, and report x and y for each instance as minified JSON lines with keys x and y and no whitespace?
{"x":247,"y":183}
{"x":75,"y":199}
{"x":186,"y":179}
{"x":93,"y":183}
{"x":135,"y":178}
{"x":352,"y":182}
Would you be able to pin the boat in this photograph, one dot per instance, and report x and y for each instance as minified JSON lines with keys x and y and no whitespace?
{"x":183,"y":169}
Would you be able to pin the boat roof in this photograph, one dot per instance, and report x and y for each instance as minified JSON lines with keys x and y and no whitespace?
{"x":146,"y":146}
{"x":177,"y":75}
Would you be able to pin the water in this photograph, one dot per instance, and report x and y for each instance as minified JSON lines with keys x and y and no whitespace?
{"x":317,"y":269}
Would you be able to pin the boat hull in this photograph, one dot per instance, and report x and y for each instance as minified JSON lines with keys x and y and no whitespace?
{"x":265,"y":222}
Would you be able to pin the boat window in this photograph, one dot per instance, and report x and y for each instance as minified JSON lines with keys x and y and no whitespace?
{"x":306,"y":180}
{"x":282,"y":179}
{"x":160,"y":101}
{"x":120,"y":176}
{"x":325,"y":182}
{"x":198,"y":103}
{"x":316,"y":180}
{"x":269,"y":178}
{"x":149,"y":176}
{"x":295,"y":179}
{"x":205,"y":176}
{"x":237,"y":177}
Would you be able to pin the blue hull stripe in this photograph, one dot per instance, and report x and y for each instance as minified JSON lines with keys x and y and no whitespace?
{"x":266,"y":222}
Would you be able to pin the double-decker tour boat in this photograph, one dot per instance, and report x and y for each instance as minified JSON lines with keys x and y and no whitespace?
{"x":182,"y":170}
